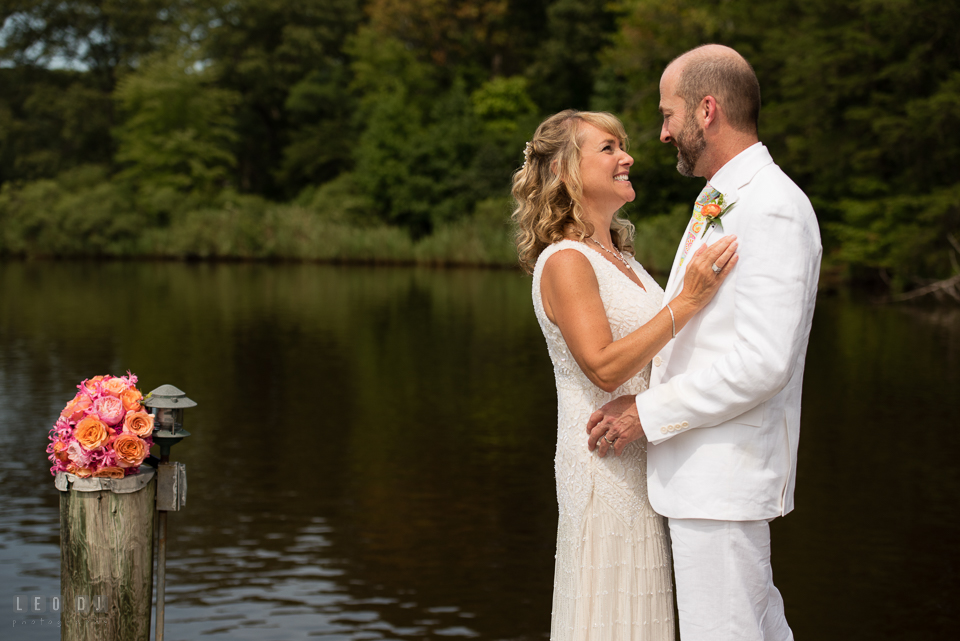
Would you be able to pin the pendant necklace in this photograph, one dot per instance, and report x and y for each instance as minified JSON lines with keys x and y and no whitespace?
{"x":615,"y":255}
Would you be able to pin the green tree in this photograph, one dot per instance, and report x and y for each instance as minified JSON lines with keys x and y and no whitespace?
{"x":506,"y":114}
{"x":285,"y":59}
{"x":870,"y":124}
{"x":101,"y":37}
{"x":566,"y":60}
{"x":178,"y":130}
{"x":51,"y":121}
{"x":457,"y":34}
{"x":59,"y":62}
{"x":429,"y":153}
{"x":408,"y":169}
{"x":322,"y":132}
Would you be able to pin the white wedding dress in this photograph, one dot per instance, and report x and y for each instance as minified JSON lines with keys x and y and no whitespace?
{"x":612,"y":580}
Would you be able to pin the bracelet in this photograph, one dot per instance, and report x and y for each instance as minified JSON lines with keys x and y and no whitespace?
{"x":673,"y":322}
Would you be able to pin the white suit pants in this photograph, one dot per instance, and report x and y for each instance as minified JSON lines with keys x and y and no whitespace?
{"x":725,"y":588}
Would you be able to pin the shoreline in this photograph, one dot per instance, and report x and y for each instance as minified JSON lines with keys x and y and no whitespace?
{"x":830,"y":286}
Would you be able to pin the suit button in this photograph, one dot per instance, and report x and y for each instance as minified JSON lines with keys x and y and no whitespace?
{"x":663,"y":430}
{"x":657,"y":361}
{"x":684,"y":424}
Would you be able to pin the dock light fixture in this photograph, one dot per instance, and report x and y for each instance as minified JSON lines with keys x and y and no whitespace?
{"x":167,"y":404}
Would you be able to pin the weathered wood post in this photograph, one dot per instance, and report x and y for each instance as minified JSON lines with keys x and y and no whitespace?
{"x":106,"y":556}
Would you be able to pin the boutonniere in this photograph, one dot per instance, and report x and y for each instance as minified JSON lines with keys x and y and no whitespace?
{"x":714,"y":210}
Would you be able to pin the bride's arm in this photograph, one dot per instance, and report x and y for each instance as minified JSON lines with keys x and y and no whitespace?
{"x":571,"y":299}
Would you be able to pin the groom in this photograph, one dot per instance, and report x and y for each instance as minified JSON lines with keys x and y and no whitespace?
{"x":722,"y":413}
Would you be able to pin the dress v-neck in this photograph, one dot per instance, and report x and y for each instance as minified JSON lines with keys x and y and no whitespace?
{"x":619,"y":271}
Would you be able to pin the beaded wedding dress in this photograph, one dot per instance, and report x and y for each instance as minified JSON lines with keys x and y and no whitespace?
{"x":612,"y":580}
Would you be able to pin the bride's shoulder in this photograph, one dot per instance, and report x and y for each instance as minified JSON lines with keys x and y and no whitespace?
{"x":564,"y":259}
{"x":561,"y":245}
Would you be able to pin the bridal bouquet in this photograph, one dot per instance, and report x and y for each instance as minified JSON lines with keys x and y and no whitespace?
{"x":104,"y":431}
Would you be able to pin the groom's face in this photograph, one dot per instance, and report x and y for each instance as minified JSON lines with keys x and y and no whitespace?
{"x":690,"y":145}
{"x":680,"y":128}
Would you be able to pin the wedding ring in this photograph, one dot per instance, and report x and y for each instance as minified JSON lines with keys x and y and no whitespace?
{"x":609,"y":442}
{"x":716,"y":270}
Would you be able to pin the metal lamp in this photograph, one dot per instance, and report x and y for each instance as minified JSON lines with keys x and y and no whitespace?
{"x":167,"y":404}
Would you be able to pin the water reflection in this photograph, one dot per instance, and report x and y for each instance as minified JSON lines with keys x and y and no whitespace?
{"x":372,"y":454}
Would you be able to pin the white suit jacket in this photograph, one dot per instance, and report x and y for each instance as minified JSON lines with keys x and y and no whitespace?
{"x":723,"y":409}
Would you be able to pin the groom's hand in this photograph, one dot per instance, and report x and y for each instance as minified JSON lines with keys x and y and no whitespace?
{"x":616,"y":422}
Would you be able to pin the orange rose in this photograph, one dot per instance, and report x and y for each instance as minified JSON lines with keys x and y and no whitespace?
{"x":60,"y":451}
{"x":76,"y":408}
{"x":131,"y":398}
{"x":91,"y":433}
{"x":138,"y":423}
{"x":711,"y":211}
{"x":130,"y":449}
{"x":114,"y":386}
{"x":109,"y":473}
{"x":82,"y":472}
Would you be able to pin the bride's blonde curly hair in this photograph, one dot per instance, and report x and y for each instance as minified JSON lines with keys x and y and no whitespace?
{"x":548,"y":189}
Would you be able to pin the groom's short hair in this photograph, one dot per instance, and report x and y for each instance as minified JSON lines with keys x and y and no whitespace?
{"x":729,"y":78}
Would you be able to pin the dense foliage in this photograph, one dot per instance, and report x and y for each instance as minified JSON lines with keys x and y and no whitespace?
{"x":219,"y":128}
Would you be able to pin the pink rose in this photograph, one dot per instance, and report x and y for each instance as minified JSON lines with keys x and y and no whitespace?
{"x":109,"y":409}
{"x":78,"y":455}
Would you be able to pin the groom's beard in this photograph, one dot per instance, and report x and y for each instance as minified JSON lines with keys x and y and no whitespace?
{"x":690,"y":146}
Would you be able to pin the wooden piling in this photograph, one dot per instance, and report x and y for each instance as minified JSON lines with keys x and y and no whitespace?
{"x":106,"y":556}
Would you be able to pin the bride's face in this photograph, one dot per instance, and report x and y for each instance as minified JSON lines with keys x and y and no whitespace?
{"x":604,"y":171}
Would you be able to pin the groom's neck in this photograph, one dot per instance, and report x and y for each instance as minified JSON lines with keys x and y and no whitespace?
{"x":724,"y":148}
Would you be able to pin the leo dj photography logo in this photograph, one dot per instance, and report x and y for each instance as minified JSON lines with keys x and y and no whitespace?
{"x":42,"y":610}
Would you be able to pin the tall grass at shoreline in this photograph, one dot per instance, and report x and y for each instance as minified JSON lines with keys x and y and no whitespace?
{"x":82,"y":215}
{"x":292,"y":232}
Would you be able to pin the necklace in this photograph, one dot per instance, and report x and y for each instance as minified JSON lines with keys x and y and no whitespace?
{"x":615,"y":255}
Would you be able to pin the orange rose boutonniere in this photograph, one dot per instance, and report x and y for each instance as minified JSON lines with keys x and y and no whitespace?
{"x":714,"y":210}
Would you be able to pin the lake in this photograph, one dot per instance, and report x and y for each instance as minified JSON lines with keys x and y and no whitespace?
{"x":372,"y":451}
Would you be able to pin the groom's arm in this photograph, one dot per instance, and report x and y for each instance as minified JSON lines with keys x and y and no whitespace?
{"x":775,"y":293}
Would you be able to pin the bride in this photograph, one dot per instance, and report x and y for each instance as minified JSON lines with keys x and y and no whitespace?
{"x":601,"y":315}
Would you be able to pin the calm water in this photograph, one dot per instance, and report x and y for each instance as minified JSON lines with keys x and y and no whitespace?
{"x":372,"y":454}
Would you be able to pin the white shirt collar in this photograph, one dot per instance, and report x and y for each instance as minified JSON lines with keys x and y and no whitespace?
{"x":740,"y":169}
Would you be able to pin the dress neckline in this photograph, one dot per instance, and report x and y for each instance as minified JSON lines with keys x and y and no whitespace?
{"x":642,"y":287}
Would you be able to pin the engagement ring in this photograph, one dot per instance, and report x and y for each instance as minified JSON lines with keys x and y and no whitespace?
{"x":716,"y":270}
